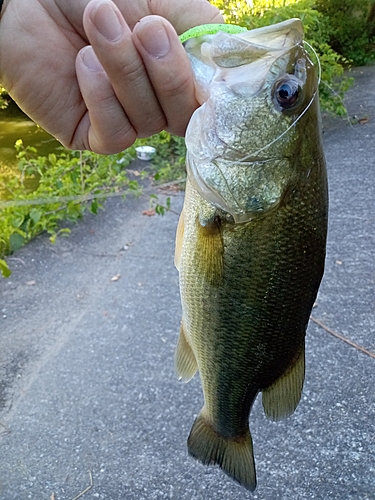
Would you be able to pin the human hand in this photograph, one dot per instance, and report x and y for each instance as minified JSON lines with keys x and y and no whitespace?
{"x":142,"y":84}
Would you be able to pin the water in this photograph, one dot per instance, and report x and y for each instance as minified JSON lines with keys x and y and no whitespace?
{"x":16,"y":125}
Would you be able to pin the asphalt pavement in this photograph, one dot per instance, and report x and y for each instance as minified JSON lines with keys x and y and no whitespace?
{"x":89,"y":404}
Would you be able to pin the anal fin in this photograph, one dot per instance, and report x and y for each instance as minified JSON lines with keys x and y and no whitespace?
{"x":185,"y":362}
{"x":233,"y":455}
{"x":282,"y":397}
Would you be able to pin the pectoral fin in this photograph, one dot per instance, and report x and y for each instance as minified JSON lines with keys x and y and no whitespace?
{"x":210,"y":248}
{"x":184,"y":359}
{"x":282,"y":397}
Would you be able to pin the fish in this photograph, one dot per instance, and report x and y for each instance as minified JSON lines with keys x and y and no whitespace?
{"x":251,"y":238}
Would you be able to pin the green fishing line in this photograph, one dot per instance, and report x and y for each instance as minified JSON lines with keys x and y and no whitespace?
{"x":210,"y":29}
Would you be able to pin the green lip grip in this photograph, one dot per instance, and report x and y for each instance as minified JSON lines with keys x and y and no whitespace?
{"x":210,"y":29}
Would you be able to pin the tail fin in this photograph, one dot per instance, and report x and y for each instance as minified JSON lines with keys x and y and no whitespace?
{"x":234,"y":456}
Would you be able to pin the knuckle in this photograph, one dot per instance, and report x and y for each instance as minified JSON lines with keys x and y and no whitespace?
{"x":151,"y":126}
{"x":177,"y":128}
{"x":176,"y":84}
{"x":132,"y":71}
{"x":112,"y":143}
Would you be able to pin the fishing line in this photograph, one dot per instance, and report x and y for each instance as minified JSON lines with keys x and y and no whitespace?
{"x":317,"y":60}
{"x":61,"y":199}
{"x":85,"y":197}
{"x":298,"y":118}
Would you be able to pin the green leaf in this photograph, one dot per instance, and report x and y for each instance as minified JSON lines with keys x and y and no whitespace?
{"x":52,"y":238}
{"x":16,"y":241}
{"x":94,"y":207}
{"x":160,"y":210}
{"x":17,"y":220}
{"x":52,"y":159}
{"x":4,"y":269}
{"x":35,"y":215}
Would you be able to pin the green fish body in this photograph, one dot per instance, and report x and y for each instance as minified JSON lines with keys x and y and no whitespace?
{"x":250,"y":243}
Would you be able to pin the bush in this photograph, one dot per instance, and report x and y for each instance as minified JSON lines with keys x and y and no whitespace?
{"x":64,"y":187}
{"x":56,"y":188}
{"x":351,"y":28}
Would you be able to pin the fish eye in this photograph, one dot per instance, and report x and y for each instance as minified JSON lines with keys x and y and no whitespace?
{"x":286,"y":92}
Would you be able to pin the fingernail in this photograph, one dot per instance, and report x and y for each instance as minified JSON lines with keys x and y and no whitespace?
{"x":153,"y":37}
{"x":90,"y":60}
{"x":107,"y":22}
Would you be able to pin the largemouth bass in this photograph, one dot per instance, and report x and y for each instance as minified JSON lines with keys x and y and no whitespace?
{"x":250,"y":243}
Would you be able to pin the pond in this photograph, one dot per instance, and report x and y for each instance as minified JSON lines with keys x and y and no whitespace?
{"x":14,"y":125}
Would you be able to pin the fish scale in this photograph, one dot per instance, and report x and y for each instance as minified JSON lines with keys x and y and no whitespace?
{"x":250,"y":270}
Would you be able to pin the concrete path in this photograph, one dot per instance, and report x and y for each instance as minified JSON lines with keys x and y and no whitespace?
{"x":87,"y":387}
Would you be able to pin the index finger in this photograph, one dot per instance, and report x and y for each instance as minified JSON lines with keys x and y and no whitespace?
{"x":168,"y":69}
